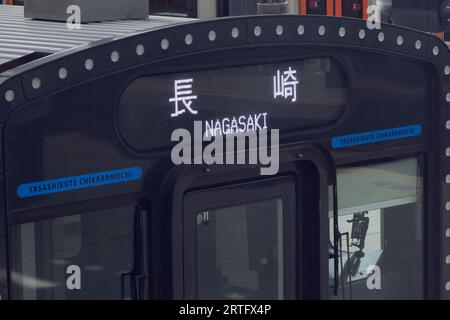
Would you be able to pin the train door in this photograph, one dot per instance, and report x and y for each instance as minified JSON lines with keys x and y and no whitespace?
{"x":254,"y":238}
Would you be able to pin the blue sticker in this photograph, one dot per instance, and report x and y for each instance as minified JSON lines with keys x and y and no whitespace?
{"x":376,"y":136}
{"x":78,"y":182}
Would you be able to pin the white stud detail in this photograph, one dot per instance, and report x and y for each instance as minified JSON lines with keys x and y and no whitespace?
{"x":10,"y":95}
{"x":63,"y":73}
{"x":235,"y":33}
{"x":400,"y":40}
{"x":435,"y":51}
{"x":447,"y":70}
{"x":115,"y":56}
{"x":447,"y":233}
{"x":212,"y":35}
{"x":447,"y":125}
{"x":447,"y":206}
{"x":322,"y":30}
{"x":257,"y":31}
{"x":362,"y":34}
{"x":140,"y":50}
{"x":447,"y":152}
{"x":165,"y":44}
{"x":189,"y":39}
{"x":89,"y":64}
{"x":301,"y":30}
{"x":447,"y":286}
{"x":447,"y":260}
{"x":418,"y":44}
{"x":447,"y":97}
{"x":381,"y":37}
{"x":342,"y":32}
{"x":280,"y":30}
{"x":447,"y":178}
{"x":36,"y":83}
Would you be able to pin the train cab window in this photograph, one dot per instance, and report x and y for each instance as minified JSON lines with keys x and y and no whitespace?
{"x":381,"y":215}
{"x":46,"y":252}
{"x":240,"y":251}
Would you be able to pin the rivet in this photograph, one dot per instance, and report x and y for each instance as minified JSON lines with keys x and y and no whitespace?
{"x":212,"y":35}
{"x":435,"y":51}
{"x":301,"y":30}
{"x":115,"y":56}
{"x":381,"y":37}
{"x":447,"y":124}
{"x":189,"y":39}
{"x":400,"y":40}
{"x":322,"y":30}
{"x":62,"y":73}
{"x":447,"y":97}
{"x":165,"y":44}
{"x":235,"y":33}
{"x":89,"y":64}
{"x":140,"y":50}
{"x":257,"y":31}
{"x":36,"y":83}
{"x":10,"y":95}
{"x":447,"y":70}
{"x":280,"y":30}
{"x":418,"y":44}
{"x":362,"y":34}
{"x":342,"y":32}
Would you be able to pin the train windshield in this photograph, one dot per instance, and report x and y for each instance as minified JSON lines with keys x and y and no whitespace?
{"x":43,"y":251}
{"x":381,"y":220}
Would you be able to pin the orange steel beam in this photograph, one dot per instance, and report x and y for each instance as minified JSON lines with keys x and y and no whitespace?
{"x":364,"y":9}
{"x":330,"y":8}
{"x":303,"y":7}
{"x":338,"y":5}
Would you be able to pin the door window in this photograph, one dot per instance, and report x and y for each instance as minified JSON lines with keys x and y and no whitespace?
{"x":240,"y":241}
{"x":240,"y":251}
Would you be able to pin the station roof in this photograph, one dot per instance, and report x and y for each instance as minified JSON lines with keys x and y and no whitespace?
{"x":21,"y":37}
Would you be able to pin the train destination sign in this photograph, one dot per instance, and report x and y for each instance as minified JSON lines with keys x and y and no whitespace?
{"x":289,"y":95}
